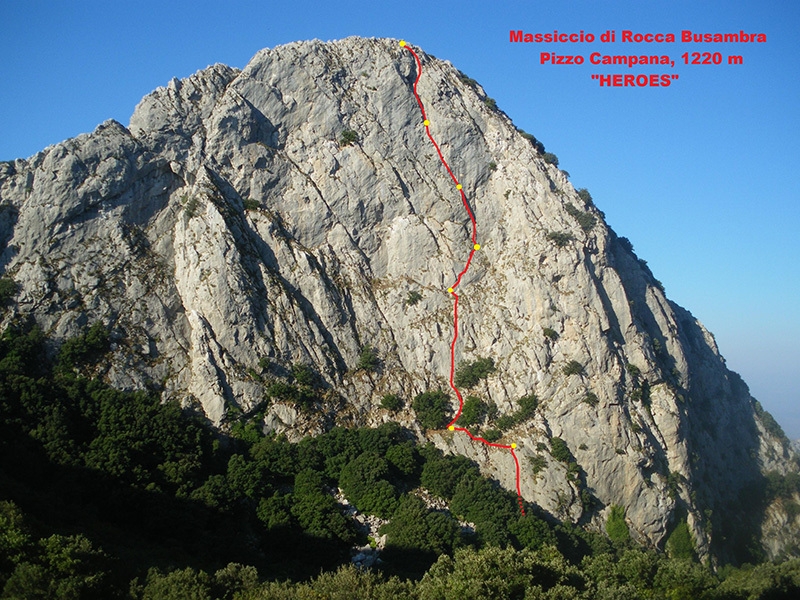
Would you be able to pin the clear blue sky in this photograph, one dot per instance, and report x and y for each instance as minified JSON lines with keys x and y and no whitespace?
{"x":701,"y":176}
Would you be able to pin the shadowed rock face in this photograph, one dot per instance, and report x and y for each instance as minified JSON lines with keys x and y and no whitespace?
{"x":229,"y":223}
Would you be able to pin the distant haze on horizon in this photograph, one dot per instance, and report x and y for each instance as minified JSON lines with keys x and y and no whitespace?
{"x":700,"y":176}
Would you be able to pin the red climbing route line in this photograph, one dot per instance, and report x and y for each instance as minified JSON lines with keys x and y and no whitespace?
{"x":452,"y":289}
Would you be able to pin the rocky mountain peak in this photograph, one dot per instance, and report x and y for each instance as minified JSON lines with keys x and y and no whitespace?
{"x":294,"y":213}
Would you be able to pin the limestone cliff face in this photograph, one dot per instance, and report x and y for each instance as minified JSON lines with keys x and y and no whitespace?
{"x":228,"y":223}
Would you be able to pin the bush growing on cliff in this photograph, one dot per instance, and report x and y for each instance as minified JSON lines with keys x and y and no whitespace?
{"x":413,"y":297}
{"x":549,"y":333}
{"x":468,"y":374}
{"x":532,"y":139}
{"x":537,"y":463}
{"x":77,"y":351}
{"x":550,"y":158}
{"x":586,"y":220}
{"x":559,"y":238}
{"x":190,"y":208}
{"x":348,"y":137}
{"x":250,"y":204}
{"x":633,"y":370}
{"x":391,"y":402}
{"x":626,"y":244}
{"x":616,"y":527}
{"x":680,"y":543}
{"x":8,"y":289}
{"x":491,"y":435}
{"x":573,"y":367}
{"x":768,"y":421}
{"x":303,"y":374}
{"x":467,"y":80}
{"x":368,"y":359}
{"x":560,"y":451}
{"x":527,"y":408}
{"x":585,"y":196}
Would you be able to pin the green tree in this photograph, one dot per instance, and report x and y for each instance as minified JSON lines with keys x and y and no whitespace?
{"x":680,"y":544}
{"x":317,"y":512}
{"x":234,"y":579}
{"x":491,"y":435}
{"x":277,"y":456}
{"x":480,"y":501}
{"x":473,"y":411}
{"x":683,"y":580}
{"x":432,"y":409}
{"x":8,"y":289}
{"x":762,"y":581}
{"x":77,"y":351}
{"x":441,"y":474}
{"x":338,"y":447}
{"x":364,"y":482}
{"x":244,"y":478}
{"x":403,"y":457}
{"x":61,"y":567}
{"x":532,"y":532}
{"x":414,"y":527}
{"x":281,"y":390}
{"x":345,"y":583}
{"x":275,"y":512}
{"x":616,"y":526}
{"x":14,"y":538}
{"x":186,"y":584}
{"x":638,"y":567}
{"x":505,"y":422}
{"x":502,"y":573}
{"x":214,"y":493}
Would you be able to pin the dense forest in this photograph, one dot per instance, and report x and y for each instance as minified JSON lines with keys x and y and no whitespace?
{"x":112,"y":494}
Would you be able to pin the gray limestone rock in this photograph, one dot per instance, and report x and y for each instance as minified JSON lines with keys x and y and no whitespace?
{"x":230,"y":223}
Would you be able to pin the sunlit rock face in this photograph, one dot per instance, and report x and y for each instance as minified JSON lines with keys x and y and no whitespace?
{"x":246,"y":221}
